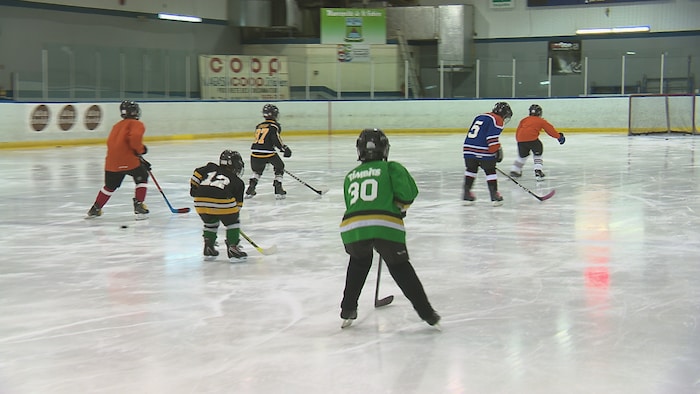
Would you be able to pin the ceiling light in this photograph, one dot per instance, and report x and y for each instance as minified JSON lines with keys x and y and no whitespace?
{"x":623,"y":29}
{"x":179,"y":18}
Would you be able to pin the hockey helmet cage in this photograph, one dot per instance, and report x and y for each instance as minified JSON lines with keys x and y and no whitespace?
{"x":372,"y":145}
{"x":270,"y":111}
{"x":535,"y":110}
{"x":232,"y":160}
{"x":503,"y":110}
{"x":129,"y":109}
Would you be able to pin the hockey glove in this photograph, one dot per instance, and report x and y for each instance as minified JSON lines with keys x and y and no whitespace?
{"x":561,"y":139}
{"x":145,"y":164}
{"x":287,"y":151}
{"x":402,"y":207}
{"x":499,"y":155}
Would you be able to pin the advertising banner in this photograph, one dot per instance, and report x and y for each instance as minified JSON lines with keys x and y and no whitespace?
{"x":353,"y":25}
{"x":566,"y":57}
{"x":356,"y":53}
{"x":237,"y":77}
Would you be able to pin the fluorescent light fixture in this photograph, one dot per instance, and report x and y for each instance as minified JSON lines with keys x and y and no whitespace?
{"x":179,"y":18}
{"x":630,"y":53}
{"x":624,"y":29}
{"x":631,"y":29}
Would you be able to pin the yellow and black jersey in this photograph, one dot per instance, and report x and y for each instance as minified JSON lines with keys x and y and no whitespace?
{"x":267,"y":138}
{"x":216,"y":190}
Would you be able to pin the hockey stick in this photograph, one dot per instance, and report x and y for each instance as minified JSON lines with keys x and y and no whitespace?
{"x":266,"y":251}
{"x":173,"y":210}
{"x":386,"y":300}
{"x":319,"y":192}
{"x":542,"y":198}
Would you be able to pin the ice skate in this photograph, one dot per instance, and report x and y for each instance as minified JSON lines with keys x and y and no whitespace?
{"x":348,"y":316}
{"x":210,"y":251}
{"x":250,"y":192}
{"x":539,"y":175}
{"x":515,"y":174}
{"x":497,"y":199}
{"x":235,"y":253}
{"x":140,"y":209}
{"x":280,"y":193}
{"x":433,"y":319}
{"x":94,"y":212}
{"x":469,"y":198}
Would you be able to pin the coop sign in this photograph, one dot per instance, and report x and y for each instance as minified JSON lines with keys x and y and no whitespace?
{"x":238,"y":77}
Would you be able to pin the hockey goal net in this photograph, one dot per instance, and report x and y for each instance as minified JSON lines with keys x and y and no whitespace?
{"x":662,"y":113}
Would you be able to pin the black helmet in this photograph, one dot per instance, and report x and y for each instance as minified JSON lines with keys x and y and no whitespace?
{"x":372,"y":145}
{"x":232,"y":160}
{"x":535,"y":110}
{"x":270,"y":112}
{"x":503,"y":110}
{"x":129,"y":109}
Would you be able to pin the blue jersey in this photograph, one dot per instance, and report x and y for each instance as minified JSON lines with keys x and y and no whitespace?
{"x":481,"y":141}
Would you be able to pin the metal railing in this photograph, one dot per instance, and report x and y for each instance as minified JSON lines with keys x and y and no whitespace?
{"x":96,"y":74}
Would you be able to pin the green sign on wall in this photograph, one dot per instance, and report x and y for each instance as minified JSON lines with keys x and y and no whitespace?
{"x":353,"y":25}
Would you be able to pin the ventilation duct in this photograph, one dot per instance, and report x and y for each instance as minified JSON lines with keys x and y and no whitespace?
{"x":264,"y":13}
{"x":451,"y":25}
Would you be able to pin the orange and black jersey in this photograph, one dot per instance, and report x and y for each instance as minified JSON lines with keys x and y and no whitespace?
{"x":216,"y":191}
{"x":267,"y":138}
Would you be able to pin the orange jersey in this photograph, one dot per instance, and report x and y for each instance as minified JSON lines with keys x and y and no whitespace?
{"x":530,"y":127}
{"x":124,"y":144}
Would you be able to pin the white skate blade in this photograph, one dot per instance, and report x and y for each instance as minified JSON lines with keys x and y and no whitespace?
{"x":141,"y":216}
{"x":346,"y":323}
{"x":237,"y":259}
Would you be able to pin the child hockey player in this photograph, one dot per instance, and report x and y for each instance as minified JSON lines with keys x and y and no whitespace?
{"x":218,"y":197}
{"x":267,"y":138}
{"x":124,"y":149}
{"x":377,"y":194}
{"x":482,"y":148}
{"x":527,"y":135}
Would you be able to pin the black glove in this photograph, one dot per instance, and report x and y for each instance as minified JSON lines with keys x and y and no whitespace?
{"x":145,"y":164}
{"x":499,"y":155}
{"x":402,"y":207}
{"x":287,"y":151}
{"x":561,"y":139}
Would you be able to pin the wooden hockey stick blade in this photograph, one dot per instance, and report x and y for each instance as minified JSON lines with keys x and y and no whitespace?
{"x":384,"y":301}
{"x":267,"y":251}
{"x":547,"y":196}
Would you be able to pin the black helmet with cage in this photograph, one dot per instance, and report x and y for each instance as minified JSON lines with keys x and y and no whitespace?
{"x":129,"y":109}
{"x":372,"y":145}
{"x":503,"y":110}
{"x":535,"y":110}
{"x":270,"y":112}
{"x":232,"y":160}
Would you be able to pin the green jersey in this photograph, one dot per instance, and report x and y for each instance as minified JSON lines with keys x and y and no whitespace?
{"x":373,"y":193}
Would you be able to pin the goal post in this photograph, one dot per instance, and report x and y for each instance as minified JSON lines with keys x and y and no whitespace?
{"x":662,"y":113}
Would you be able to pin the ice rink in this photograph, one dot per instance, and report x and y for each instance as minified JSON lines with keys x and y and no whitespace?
{"x":596,"y":290}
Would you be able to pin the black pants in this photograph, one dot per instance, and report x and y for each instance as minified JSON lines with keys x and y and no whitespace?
{"x":396,"y":257}
{"x":257,"y":164}
{"x":535,"y":146}
{"x":113,"y":180}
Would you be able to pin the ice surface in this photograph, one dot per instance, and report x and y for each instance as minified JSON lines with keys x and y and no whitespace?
{"x":596,"y":290}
